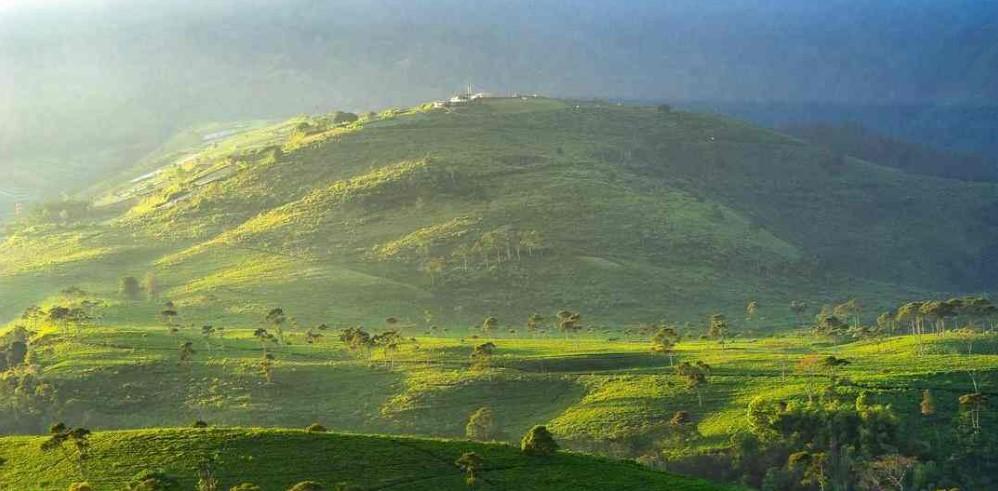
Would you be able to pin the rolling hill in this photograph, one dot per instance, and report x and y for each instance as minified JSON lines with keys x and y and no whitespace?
{"x":509,"y":206}
{"x":277,"y":459}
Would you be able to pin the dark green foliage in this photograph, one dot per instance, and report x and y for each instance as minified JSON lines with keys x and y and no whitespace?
{"x":340,"y":117}
{"x":823,"y":444}
{"x":471,"y":463}
{"x":538,"y":442}
{"x":130,"y":288}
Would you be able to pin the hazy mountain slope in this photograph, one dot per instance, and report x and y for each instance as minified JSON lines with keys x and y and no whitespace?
{"x":511,"y":206}
{"x":857,"y":141}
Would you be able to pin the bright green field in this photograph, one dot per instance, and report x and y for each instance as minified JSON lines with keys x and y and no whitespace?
{"x":277,"y":459}
{"x":611,"y":397}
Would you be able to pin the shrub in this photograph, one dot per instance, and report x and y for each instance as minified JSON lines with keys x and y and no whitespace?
{"x":153,"y":481}
{"x":307,"y":486}
{"x":316,"y":428}
{"x":199,"y":424}
{"x":539,"y":442}
{"x":341,"y":117}
{"x":80,"y":486}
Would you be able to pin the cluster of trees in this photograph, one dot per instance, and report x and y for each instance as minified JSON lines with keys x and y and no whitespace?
{"x":132,"y":289}
{"x":565,"y":321}
{"x":845,"y":320}
{"x":840,"y":443}
{"x":358,"y":340}
{"x":62,"y":211}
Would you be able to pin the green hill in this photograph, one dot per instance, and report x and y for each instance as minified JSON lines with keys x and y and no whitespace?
{"x":510,"y":206}
{"x":277,"y":459}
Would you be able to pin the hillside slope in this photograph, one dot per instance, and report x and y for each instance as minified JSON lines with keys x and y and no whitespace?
{"x":858,"y":141}
{"x":277,"y":459}
{"x":511,"y":206}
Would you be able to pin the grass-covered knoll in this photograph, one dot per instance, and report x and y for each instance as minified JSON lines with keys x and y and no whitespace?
{"x":277,"y":459}
{"x":511,"y":206}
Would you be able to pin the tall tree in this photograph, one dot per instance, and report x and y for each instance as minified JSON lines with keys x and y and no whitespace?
{"x":717,"y":328}
{"x":471,"y":463}
{"x":664,"y":341}
{"x":695,"y":375}
{"x":482,"y":425}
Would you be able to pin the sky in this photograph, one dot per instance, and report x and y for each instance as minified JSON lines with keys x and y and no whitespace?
{"x":104,"y":72}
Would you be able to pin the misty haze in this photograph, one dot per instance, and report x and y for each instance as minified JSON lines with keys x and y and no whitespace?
{"x":513,"y":245}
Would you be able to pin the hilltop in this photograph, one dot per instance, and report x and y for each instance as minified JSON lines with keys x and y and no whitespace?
{"x":507,"y":207}
{"x":277,"y":459}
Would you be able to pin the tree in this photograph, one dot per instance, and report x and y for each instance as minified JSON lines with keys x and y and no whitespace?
{"x":811,"y":467}
{"x":316,"y":428}
{"x":356,"y":338}
{"x":207,"y":481}
{"x":471,"y":463}
{"x":151,"y":286}
{"x":888,"y":472}
{"x":928,"y":405}
{"x":60,"y":434}
{"x":433,"y":267}
{"x":341,"y":117}
{"x":798,"y":308}
{"x":490,"y":324}
{"x":534,"y":322}
{"x":482,"y":425}
{"x":389,"y":342}
{"x":813,"y":366}
{"x":538,"y":442}
{"x":973,"y":404}
{"x":186,"y":354}
{"x":312,"y":337}
{"x":169,"y":314}
{"x":130,"y":288}
{"x":153,"y":480}
{"x":664,"y":341}
{"x":751,"y":310}
{"x":276,"y":318}
{"x":695,"y":375}
{"x":682,"y":426}
{"x":16,"y":353}
{"x":569,"y":322}
{"x":717,"y":328}
{"x":267,"y":367}
{"x":850,"y":309}
{"x":33,"y":315}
